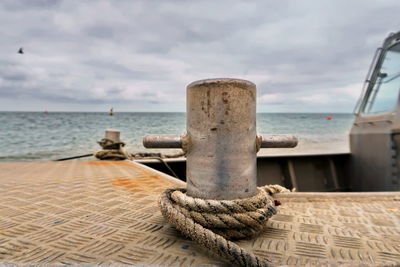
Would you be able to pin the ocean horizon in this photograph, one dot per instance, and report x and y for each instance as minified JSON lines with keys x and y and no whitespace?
{"x":39,"y":136}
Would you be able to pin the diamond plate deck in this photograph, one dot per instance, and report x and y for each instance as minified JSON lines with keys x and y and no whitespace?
{"x":105,"y":212}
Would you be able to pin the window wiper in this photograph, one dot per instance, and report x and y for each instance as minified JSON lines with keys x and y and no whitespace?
{"x":394,"y":76}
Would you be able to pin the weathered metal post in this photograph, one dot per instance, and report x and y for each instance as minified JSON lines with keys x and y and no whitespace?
{"x":112,"y":146}
{"x":221,"y":128}
{"x":221,"y":142}
{"x":113,"y":135}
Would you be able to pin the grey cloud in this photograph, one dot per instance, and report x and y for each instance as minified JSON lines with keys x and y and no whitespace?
{"x":9,"y":92}
{"x":100,"y":31}
{"x":114,"y":91}
{"x":109,"y":69}
{"x":15,"y":77}
{"x":30,"y":4}
{"x":109,"y":66}
{"x":125,"y":51}
{"x":12,"y":78}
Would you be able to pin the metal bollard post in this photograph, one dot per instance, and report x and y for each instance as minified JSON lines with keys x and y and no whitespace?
{"x":113,"y":135}
{"x":221,"y":142}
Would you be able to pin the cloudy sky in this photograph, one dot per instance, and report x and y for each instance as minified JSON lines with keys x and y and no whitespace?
{"x":304,"y":56}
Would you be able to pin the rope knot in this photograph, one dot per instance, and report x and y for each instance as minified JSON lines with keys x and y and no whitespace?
{"x":106,"y":143}
{"x":213,"y":222}
{"x":111,"y":150}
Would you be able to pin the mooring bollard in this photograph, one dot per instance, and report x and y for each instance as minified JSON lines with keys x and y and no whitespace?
{"x":221,"y":142}
{"x":113,"y":135}
{"x":112,"y":147}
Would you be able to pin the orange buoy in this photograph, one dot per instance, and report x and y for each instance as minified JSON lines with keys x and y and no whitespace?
{"x":329,"y":118}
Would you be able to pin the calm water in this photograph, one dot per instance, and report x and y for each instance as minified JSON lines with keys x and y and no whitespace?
{"x":28,"y":136}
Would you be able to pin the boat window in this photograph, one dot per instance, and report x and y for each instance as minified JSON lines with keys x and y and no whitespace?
{"x":385,"y":91}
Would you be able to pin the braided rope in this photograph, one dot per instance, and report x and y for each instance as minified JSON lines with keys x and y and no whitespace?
{"x":212,"y":223}
{"x":115,"y":151}
{"x":111,"y":154}
{"x":111,"y":150}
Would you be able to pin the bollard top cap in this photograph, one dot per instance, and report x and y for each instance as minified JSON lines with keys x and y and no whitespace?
{"x":238,"y":82}
{"x":113,"y":130}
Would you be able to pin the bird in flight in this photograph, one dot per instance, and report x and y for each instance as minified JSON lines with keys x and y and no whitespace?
{"x":21,"y":50}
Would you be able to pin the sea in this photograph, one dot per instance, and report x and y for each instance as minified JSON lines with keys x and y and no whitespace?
{"x":39,"y":136}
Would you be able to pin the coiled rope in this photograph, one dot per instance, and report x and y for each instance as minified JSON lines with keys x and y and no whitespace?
{"x":111,"y":150}
{"x":212,"y":223}
{"x":115,"y":151}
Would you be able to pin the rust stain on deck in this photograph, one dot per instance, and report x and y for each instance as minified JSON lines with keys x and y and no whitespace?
{"x":110,"y":162}
{"x":142,"y":184}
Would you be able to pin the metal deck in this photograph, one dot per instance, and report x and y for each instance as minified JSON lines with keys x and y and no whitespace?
{"x":106,"y":212}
